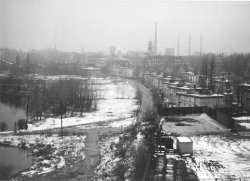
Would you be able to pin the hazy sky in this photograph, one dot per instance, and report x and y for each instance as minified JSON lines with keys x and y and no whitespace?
{"x":127,"y":24}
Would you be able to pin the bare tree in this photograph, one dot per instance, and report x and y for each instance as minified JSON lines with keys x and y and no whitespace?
{"x":3,"y":126}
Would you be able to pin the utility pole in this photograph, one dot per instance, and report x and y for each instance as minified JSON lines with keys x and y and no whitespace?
{"x":27,"y":111}
{"x":61,"y":113}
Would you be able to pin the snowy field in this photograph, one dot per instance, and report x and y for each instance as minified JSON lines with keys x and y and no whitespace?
{"x":108,"y":160}
{"x":49,"y":153}
{"x":247,"y":125}
{"x":243,"y":121}
{"x":192,"y":125}
{"x":117,"y":106}
{"x":223,"y":157}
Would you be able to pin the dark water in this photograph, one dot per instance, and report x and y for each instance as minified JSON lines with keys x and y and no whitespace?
{"x":43,"y":97}
{"x":10,"y":115}
{"x":12,"y":161}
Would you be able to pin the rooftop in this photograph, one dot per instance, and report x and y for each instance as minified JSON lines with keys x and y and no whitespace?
{"x":184,"y":139}
{"x":201,"y":95}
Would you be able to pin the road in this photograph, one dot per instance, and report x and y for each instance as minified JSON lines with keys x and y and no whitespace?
{"x":147,"y":105}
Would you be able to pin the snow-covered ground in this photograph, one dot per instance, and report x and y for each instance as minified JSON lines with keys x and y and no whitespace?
{"x":112,"y":162}
{"x":118,"y":104}
{"x":227,"y":156}
{"x":242,"y":118}
{"x":243,"y":121}
{"x":49,"y":153}
{"x":192,"y":125}
{"x":247,"y":125}
{"x":108,"y":160}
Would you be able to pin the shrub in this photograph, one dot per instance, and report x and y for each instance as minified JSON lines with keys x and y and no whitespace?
{"x":21,"y":123}
{"x":120,"y":170}
{"x":3,"y":126}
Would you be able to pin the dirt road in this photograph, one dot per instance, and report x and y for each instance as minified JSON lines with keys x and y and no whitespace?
{"x":92,"y":156}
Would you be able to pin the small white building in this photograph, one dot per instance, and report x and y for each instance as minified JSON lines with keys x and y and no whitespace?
{"x":184,"y":145}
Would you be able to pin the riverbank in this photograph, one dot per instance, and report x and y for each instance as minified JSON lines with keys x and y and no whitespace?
{"x":49,"y":153}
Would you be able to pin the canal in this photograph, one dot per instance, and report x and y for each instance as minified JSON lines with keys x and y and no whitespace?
{"x":12,"y":161}
{"x":10,"y":114}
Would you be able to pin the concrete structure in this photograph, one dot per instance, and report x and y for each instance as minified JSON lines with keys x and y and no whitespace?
{"x":243,"y":94}
{"x":174,"y":89}
{"x":127,"y":72}
{"x":91,"y":71}
{"x":221,"y":84}
{"x":156,"y":51}
{"x":195,"y":99}
{"x":184,"y":145}
{"x":150,"y":48}
{"x":123,"y":71}
{"x":112,"y":51}
{"x":191,"y":77}
{"x":169,"y":51}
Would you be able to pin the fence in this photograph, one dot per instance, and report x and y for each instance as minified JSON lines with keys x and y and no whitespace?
{"x":170,"y":111}
{"x":221,"y":115}
{"x":76,"y":131}
{"x":220,"y":179}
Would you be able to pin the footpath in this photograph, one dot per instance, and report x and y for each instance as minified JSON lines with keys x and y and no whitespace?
{"x":92,"y":156}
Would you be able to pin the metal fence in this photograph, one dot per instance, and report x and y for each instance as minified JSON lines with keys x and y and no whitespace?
{"x":180,"y":111}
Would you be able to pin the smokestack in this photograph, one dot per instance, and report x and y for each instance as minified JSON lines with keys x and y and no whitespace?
{"x":178,"y":47}
{"x":201,"y":45}
{"x":155,"y":38}
{"x":189,"y":46}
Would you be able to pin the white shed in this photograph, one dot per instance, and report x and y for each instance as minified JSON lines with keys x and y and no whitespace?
{"x":185,"y":145}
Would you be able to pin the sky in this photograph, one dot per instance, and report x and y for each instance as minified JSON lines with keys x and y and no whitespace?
{"x":95,"y":25}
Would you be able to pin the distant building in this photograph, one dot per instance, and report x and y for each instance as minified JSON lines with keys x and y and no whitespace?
{"x":91,"y":71}
{"x":112,"y":51}
{"x":243,"y":94}
{"x":122,"y":71}
{"x":127,"y":72}
{"x":119,"y":53}
{"x":195,"y":99}
{"x":169,"y":51}
{"x":150,"y":48}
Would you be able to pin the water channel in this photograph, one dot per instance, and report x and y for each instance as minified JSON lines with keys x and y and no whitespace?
{"x":10,"y":115}
{"x":12,"y":161}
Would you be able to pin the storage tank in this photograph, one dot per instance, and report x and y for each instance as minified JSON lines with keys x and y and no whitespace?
{"x":184,"y":145}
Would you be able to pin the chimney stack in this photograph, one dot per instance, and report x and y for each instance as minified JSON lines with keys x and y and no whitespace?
{"x":189,"y":46}
{"x":201,"y":45}
{"x":178,"y":47}
{"x":155,"y":38}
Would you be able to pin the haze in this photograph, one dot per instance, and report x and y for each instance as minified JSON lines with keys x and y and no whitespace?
{"x":127,"y":24}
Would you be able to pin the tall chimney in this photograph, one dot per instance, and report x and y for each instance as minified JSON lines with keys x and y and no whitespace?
{"x":155,"y":38}
{"x":201,"y":45}
{"x":178,"y":47}
{"x":189,"y":46}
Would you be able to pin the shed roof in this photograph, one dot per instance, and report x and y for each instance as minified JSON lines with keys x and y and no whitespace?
{"x":184,"y":139}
